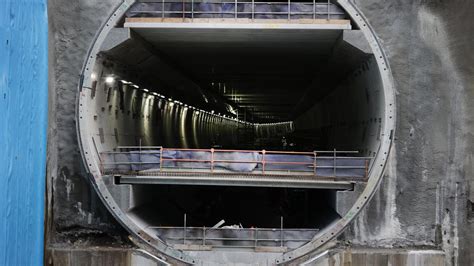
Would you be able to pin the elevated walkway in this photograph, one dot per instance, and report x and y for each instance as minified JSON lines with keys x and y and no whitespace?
{"x":236,"y":15}
{"x":219,"y":167}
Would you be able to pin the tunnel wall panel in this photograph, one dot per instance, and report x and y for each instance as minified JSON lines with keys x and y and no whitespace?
{"x":141,"y":118}
{"x":350,"y":118}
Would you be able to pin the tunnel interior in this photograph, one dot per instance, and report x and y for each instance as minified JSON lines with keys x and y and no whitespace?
{"x":287,"y":90}
{"x":242,"y":206}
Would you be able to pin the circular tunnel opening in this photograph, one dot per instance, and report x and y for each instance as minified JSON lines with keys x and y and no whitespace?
{"x":301,"y":91}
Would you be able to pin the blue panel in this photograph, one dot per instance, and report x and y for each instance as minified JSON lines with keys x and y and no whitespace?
{"x":23,"y":124}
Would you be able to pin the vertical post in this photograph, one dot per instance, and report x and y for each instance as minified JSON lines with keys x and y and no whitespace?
{"x":140,"y":154}
{"x":253,"y":7}
{"x":366,"y":168}
{"x":281,"y":231}
{"x":184,"y":231}
{"x":184,"y":9}
{"x":212,"y":160}
{"x":263,"y":161}
{"x":162,"y":9}
{"x":289,"y":10}
{"x":204,"y":235}
{"x":256,"y":237}
{"x":315,"y":163}
{"x":335,"y":164}
{"x":161,"y":159}
{"x":329,"y":9}
{"x":314,"y":9}
{"x":235,"y":9}
{"x":192,"y":10}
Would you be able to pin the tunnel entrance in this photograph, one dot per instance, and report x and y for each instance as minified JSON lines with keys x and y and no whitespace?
{"x":265,"y":125}
{"x":238,"y":98}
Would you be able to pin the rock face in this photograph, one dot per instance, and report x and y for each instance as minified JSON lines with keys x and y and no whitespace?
{"x":425,"y":200}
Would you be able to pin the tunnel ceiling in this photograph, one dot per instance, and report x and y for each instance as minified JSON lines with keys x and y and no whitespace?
{"x":270,"y":75}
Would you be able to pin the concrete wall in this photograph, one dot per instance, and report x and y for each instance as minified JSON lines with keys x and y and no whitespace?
{"x":425,"y":199}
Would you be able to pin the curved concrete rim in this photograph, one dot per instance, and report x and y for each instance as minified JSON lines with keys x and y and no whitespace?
{"x":152,"y":243}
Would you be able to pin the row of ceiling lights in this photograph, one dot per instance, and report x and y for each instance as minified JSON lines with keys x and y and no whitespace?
{"x":111,"y":79}
{"x":172,"y":102}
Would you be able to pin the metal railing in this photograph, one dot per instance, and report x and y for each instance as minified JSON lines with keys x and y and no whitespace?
{"x":236,"y":9}
{"x":157,"y":159}
{"x":227,"y":237}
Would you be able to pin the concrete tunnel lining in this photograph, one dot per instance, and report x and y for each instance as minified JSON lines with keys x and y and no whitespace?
{"x":86,"y":114}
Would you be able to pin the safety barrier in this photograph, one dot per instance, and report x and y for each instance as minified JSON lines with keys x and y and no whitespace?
{"x":237,"y":9}
{"x":135,"y":160}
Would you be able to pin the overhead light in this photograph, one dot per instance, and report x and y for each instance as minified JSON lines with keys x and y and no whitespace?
{"x":136,"y":86}
{"x":109,"y":79}
{"x":125,"y":82}
{"x":145,"y":90}
{"x":197,"y":112}
{"x":94,"y":76}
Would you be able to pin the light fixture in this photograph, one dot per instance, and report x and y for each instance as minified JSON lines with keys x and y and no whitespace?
{"x":145,"y":90}
{"x":136,"y":86}
{"x":109,"y":79}
{"x":94,"y":76}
